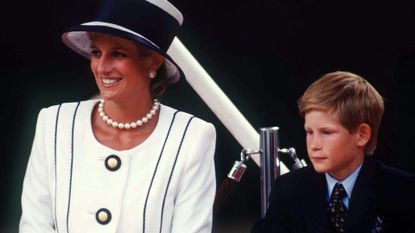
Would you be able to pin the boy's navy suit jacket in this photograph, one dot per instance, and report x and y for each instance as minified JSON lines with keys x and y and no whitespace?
{"x":382,"y":201}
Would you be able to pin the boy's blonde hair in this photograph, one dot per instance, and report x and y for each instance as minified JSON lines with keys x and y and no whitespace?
{"x":350,"y":98}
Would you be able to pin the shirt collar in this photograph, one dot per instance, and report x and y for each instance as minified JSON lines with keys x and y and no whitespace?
{"x":347,"y":183}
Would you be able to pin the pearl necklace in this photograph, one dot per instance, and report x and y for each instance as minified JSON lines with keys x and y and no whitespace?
{"x":131,"y":125}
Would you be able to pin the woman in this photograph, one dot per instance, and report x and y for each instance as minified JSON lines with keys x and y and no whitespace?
{"x":125,"y":163}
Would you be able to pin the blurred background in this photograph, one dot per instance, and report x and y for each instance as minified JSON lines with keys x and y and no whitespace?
{"x":263,"y":54}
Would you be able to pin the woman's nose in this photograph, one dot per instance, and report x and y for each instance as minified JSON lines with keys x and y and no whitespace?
{"x":103,"y":65}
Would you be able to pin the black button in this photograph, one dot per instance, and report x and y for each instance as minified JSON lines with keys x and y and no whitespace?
{"x":103,"y":216}
{"x":113,"y":163}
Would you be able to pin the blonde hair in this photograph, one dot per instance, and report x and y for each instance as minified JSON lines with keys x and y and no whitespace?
{"x":350,"y":98}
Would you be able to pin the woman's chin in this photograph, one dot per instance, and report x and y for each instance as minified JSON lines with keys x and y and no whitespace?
{"x":108,"y":96}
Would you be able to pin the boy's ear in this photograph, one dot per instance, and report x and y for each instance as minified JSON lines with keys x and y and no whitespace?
{"x":363,"y":134}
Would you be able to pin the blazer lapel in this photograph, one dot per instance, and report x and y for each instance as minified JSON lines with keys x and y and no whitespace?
{"x":362,"y":203}
{"x":314,"y":203}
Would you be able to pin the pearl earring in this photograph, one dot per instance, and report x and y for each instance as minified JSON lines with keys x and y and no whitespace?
{"x":152,"y":74}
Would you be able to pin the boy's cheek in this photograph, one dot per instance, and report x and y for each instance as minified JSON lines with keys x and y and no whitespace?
{"x":318,"y":168}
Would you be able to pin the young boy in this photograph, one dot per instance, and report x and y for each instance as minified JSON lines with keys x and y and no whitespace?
{"x":346,"y":190}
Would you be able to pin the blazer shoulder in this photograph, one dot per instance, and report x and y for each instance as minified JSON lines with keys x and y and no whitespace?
{"x":392,"y":171}
{"x":296,"y":177}
{"x":196,"y":122}
{"x":394,"y":177}
{"x":299,"y":173}
{"x":54,"y":108}
{"x":48,"y":115}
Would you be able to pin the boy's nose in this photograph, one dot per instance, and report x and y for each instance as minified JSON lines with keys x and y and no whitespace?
{"x":314,"y":143}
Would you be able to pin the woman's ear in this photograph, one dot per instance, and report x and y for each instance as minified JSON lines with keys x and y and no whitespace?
{"x":363,"y":134}
{"x":155,"y":61}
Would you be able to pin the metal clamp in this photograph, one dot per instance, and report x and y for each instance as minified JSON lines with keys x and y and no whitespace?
{"x":239,"y":167}
{"x":293,"y":154}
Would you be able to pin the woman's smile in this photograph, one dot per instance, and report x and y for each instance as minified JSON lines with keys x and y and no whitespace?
{"x":108,"y":82}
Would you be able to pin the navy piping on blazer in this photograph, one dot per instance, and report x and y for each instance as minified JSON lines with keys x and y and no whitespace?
{"x":155,"y":171}
{"x":56,"y":137}
{"x":70,"y":176}
{"x":172,"y":170}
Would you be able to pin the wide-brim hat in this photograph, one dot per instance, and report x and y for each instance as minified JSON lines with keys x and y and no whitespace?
{"x":152,"y":23}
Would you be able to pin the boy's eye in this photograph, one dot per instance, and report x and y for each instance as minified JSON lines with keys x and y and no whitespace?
{"x":326,"y":132}
{"x":309,"y":132}
{"x":95,"y":53}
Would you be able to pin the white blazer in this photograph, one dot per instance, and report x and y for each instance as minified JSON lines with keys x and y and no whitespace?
{"x":75,"y":184}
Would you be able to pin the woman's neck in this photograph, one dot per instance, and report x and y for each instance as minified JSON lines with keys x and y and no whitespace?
{"x":128,"y":110}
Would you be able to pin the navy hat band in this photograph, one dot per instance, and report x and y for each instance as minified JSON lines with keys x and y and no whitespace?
{"x":151,"y":21}
{"x":99,"y":24}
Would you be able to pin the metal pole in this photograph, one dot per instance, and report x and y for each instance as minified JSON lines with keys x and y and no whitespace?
{"x":269,"y":163}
